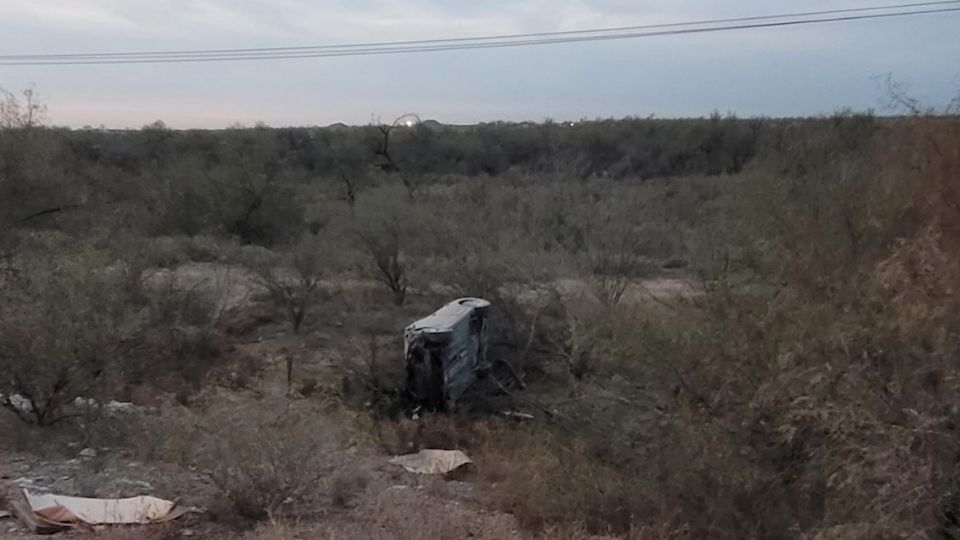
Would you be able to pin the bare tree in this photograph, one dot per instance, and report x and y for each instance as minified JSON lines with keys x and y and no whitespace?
{"x":21,"y":112}
{"x":24,"y":165}
{"x":898,"y":96}
{"x":62,"y":325}
{"x":248,"y":189}
{"x":384,"y":151}
{"x":253,"y":200}
{"x":350,"y":189}
{"x":387,"y":261}
{"x":350,"y":160}
{"x":615,"y":259}
{"x":293,"y":287}
{"x":612,"y":273}
{"x":293,"y":284}
{"x":393,"y":234}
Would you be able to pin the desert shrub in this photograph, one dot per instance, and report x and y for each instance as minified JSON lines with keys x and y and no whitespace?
{"x":179,"y":337}
{"x":397,"y":520}
{"x":267,"y":471}
{"x":615,"y":258}
{"x":239,"y":189}
{"x":65,"y":324}
{"x":170,"y":432}
{"x":183,"y":198}
{"x":815,"y":402}
{"x":34,"y":186}
{"x":543,"y":480}
{"x":389,"y":523}
{"x":293,"y":288}
{"x":291,"y":279}
{"x":162,"y":531}
{"x":345,"y":486}
{"x":309,"y":386}
{"x":272,"y":217}
{"x":395,"y":235}
{"x":256,"y":203}
{"x":666,"y":531}
{"x":81,"y":324}
{"x":173,"y":251}
{"x":804,"y":393}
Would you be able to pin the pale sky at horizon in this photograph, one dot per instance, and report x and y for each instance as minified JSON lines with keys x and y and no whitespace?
{"x":807,"y":70}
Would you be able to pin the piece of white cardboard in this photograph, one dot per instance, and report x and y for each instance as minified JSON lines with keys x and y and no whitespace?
{"x":432,"y":461}
{"x":131,"y":511}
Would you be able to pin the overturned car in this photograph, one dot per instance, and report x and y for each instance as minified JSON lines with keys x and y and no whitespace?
{"x":445,"y":352}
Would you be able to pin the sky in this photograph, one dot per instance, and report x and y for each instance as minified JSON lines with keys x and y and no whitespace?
{"x":808,"y":70}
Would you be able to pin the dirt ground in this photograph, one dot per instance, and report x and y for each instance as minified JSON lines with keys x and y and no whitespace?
{"x":384,"y":499}
{"x":390,"y":499}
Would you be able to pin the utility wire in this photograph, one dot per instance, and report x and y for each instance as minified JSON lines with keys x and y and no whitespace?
{"x":277,"y":50}
{"x":517,"y":40}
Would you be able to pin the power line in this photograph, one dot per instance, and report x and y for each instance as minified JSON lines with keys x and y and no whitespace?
{"x":278,"y":50}
{"x":515,"y":40}
{"x":438,"y":45}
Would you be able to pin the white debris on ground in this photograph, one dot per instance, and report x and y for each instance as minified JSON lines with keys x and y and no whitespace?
{"x":65,"y":510}
{"x":432,"y":461}
{"x":111,"y":406}
{"x":18,"y":402}
{"x":24,"y":405}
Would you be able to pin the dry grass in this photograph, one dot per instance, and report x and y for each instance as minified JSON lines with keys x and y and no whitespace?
{"x":268,"y":467}
{"x":163,"y":531}
{"x":544,"y":482}
{"x":825,"y":403}
{"x":430,"y":431}
{"x":530,"y":473}
{"x":346,"y":486}
{"x":395,"y":519}
{"x":662,"y":532}
{"x":268,"y":458}
{"x":425,"y":526}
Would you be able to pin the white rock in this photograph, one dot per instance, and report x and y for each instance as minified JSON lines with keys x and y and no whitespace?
{"x":120,"y":406}
{"x":18,"y":402}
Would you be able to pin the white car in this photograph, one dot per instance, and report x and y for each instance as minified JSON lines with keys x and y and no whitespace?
{"x":445,"y":351}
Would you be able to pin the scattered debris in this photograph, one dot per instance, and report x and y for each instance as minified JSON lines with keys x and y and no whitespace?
{"x":23,"y":482}
{"x":88,"y":453}
{"x":518,"y":415}
{"x":111,"y":406}
{"x":23,"y":405}
{"x":432,"y":461}
{"x":45,"y":514}
{"x":17,"y":402}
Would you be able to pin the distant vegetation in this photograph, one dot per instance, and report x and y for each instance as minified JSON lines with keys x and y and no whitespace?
{"x":260,"y":185}
{"x":806,"y":386}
